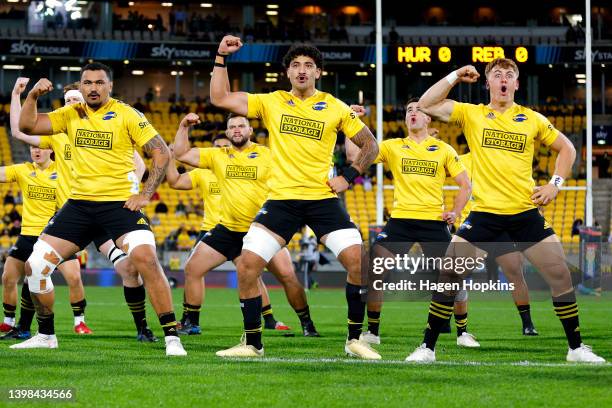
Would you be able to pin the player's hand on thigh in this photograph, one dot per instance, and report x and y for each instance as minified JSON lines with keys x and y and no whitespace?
{"x":338,"y":184}
{"x":136,"y":202}
{"x":544,"y":195}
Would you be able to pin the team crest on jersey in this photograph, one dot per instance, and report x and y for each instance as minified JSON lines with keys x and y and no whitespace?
{"x":109,"y":115}
{"x":290,"y":102}
{"x":433,"y":148}
{"x":53,"y":176}
{"x":253,"y":155}
{"x":490,"y":115}
{"x":319,"y":106}
{"x":521,"y":117}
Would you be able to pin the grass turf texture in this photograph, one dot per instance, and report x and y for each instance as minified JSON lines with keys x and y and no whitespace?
{"x":111,"y":369}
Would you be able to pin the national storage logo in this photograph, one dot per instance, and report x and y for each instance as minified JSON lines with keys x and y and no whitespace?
{"x":311,"y":129}
{"x":213,"y":188}
{"x":496,"y":139}
{"x":241,"y":172}
{"x":41,"y":193}
{"x":422,"y":167}
{"x":94,"y":139}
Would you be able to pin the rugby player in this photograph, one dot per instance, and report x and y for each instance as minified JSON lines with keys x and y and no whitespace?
{"x":419,"y":164}
{"x":242,"y":172}
{"x":501,"y":138}
{"x":303,"y":124}
{"x":103,"y":195}
{"x":133,"y":288}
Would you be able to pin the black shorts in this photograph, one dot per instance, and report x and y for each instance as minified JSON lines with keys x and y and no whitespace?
{"x":24,"y":246}
{"x":524,"y":229}
{"x":502,"y":245}
{"x":286,"y":217}
{"x":402,"y":234}
{"x":81,"y":221}
{"x":227,"y":243}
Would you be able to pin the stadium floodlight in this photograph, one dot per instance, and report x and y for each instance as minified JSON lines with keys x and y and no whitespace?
{"x":426,"y":74}
{"x":126,"y":62}
{"x":75,"y":15}
{"x":130,"y":3}
{"x":137,"y":72}
{"x":167,"y":4}
{"x":325,"y":73}
{"x":361,"y":73}
{"x":272,"y":6}
{"x":581,"y":76}
{"x":12,"y":1}
{"x":71,"y":69}
{"x":9,"y":66}
{"x":582,"y":81}
{"x":38,"y":59}
{"x":206,"y":5}
{"x":272,"y":13}
{"x":271,"y":79}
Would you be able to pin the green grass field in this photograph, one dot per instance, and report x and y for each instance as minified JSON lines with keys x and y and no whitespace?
{"x":111,"y":369}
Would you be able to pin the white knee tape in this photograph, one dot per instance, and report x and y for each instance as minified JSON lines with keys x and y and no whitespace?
{"x":261,"y":242}
{"x":43,"y":261}
{"x":115,"y":255}
{"x":136,"y":238}
{"x":461,"y":296}
{"x":337,"y":241}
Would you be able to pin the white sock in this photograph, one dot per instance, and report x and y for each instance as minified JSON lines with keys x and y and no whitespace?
{"x":79,"y":319}
{"x":10,"y":321}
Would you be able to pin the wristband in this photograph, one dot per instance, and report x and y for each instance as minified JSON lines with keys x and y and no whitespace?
{"x":452,"y":77}
{"x":217,"y":64}
{"x":350,"y":174}
{"x":556,"y":181}
{"x":222,"y":56}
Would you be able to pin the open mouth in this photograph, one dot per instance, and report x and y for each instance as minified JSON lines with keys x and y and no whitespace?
{"x":504,"y":88}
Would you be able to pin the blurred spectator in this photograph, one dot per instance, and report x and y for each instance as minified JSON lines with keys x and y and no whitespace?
{"x":155,"y":220}
{"x":367,"y":183}
{"x":14,"y":215}
{"x":18,"y":198}
{"x":576,"y":227}
{"x":393,"y":36}
{"x":15,"y":229}
{"x":139,"y":105}
{"x":149,"y":96}
{"x":180,"y":208}
{"x":9,"y":198}
{"x":161,"y":208}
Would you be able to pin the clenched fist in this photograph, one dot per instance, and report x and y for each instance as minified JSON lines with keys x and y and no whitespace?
{"x":20,"y":85}
{"x":42,"y":87}
{"x":468,"y":74}
{"x":229,"y":45}
{"x":190,"y":119}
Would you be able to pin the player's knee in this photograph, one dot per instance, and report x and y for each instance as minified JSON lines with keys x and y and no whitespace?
{"x":261,"y":243}
{"x":339,"y":240}
{"x":41,"y":263}
{"x":192,"y":271}
{"x":461,"y":296}
{"x":137,"y":240}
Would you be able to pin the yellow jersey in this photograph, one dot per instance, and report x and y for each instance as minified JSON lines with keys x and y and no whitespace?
{"x":210,"y":190}
{"x":502,"y":147}
{"x":419,"y":171}
{"x":38,"y":188}
{"x":302,"y":140}
{"x":466,"y":160}
{"x":243,"y":177}
{"x":102,"y":144}
{"x":60,"y":144}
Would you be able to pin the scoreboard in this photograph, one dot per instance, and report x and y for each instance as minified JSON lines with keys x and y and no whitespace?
{"x":459,"y":55}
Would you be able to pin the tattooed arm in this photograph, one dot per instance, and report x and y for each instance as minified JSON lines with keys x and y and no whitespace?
{"x":158,"y":150}
{"x":366,"y":142}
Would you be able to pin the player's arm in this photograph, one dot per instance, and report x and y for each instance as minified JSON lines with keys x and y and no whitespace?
{"x":30,"y":121}
{"x":434,"y":102}
{"x":182,"y":148}
{"x":351,"y":149}
{"x":176,"y":180}
{"x":465,"y":191}
{"x":18,"y":89}
{"x":220,"y":93}
{"x":368,"y":150}
{"x":543,"y":195}
{"x":140,"y":165}
{"x":158,"y":150}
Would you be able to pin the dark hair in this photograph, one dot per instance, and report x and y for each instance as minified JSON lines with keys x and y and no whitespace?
{"x":235,"y":115}
{"x":219,"y":136}
{"x":303,"y":50}
{"x":97,"y":66}
{"x":71,"y":87}
{"x":412,"y":100}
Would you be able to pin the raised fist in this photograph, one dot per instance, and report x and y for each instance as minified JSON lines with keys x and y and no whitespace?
{"x":20,"y":85}
{"x":42,"y":87}
{"x":190,"y":119}
{"x":229,"y":45}
{"x":468,"y":74}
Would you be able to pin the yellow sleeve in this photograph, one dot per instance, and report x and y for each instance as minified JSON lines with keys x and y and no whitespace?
{"x":207,"y":157}
{"x":350,"y":124}
{"x":139,"y":128}
{"x":383,"y":153}
{"x":59,"y":119}
{"x":195,"y":180}
{"x":459,"y":113}
{"x":453,"y":163}
{"x":256,"y":105}
{"x":466,"y":160}
{"x":11,"y":173}
{"x":547,"y":133}
{"x":45,"y":142}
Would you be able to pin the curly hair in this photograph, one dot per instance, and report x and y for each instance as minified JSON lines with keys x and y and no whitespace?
{"x":303,"y":50}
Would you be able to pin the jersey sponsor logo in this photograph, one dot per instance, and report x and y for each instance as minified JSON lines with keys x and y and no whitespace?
{"x":253,"y":155}
{"x":233,"y":171}
{"x":490,"y":115}
{"x":67,"y":152}
{"x":421,"y":167}
{"x":311,"y":129}
{"x":53,"y":176}
{"x":497,"y":139}
{"x":319,"y":106}
{"x":213,"y":188}
{"x":432,"y":148}
{"x":94,"y":139}
{"x":521,"y":117}
{"x":41,"y":193}
{"x":144,"y":124}
{"x":109,"y":115}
